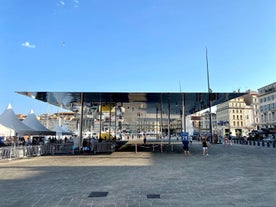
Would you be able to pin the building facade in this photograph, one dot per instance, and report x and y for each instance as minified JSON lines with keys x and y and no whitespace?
{"x":267,"y":106}
{"x":231,"y":118}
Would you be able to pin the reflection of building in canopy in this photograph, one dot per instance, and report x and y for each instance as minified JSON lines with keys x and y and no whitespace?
{"x":159,"y":112}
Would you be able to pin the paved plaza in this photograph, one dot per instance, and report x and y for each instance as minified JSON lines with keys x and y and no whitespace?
{"x":238,"y":175}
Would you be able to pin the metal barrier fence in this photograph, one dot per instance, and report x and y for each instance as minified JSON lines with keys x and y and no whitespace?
{"x":103,"y":147}
{"x":256,"y":143}
{"x":13,"y":152}
{"x":21,"y":151}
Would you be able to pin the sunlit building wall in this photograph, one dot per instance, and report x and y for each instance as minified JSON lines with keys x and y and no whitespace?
{"x":267,"y":106}
{"x":238,"y":116}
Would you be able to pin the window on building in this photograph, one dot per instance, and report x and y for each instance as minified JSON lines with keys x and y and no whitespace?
{"x":240,"y":117}
{"x":241,"y":124}
{"x":238,"y":123}
{"x":234,"y":123}
{"x":233,"y":116}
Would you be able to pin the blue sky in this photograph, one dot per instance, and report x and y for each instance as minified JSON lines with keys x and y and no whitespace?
{"x":133,"y":45}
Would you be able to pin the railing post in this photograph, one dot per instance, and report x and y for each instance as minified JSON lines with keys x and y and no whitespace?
{"x":25,"y":152}
{"x":38,"y":151}
{"x":53,"y":149}
{"x":10,"y":154}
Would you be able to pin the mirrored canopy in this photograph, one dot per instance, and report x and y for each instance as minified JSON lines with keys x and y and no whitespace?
{"x":193,"y":102}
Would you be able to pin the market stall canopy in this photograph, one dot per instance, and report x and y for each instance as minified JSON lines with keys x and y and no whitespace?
{"x":32,"y":122}
{"x":61,"y":130}
{"x":8,"y":119}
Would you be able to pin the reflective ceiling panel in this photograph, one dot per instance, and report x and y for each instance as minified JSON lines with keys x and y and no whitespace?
{"x":193,"y":102}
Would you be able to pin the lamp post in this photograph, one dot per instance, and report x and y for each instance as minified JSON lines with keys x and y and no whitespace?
{"x":81,"y":121}
{"x":169,"y":119}
{"x":156,"y":122}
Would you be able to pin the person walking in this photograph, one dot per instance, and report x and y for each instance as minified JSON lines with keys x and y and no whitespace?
{"x":185,"y":143}
{"x":204,"y":146}
{"x":145,"y":139}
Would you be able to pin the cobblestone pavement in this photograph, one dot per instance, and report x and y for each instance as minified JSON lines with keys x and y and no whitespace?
{"x":238,"y":175}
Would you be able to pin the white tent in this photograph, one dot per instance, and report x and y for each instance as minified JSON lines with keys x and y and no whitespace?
{"x":61,"y":130}
{"x":32,"y":121}
{"x":12,"y":126}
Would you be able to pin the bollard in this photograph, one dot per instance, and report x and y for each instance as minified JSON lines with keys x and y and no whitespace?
{"x":135,"y":148}
{"x":258,"y":143}
{"x":263,"y":144}
{"x":254,"y":143}
{"x":268,"y":144}
{"x":274,"y":144}
{"x":161,"y":147}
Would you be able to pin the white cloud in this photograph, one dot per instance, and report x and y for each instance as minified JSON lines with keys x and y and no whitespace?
{"x":27,"y":44}
{"x":68,"y":3}
{"x":76,"y":3}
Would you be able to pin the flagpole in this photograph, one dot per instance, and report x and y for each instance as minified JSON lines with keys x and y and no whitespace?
{"x":209,"y":99}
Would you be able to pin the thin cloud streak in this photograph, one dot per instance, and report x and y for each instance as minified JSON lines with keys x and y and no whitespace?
{"x":62,"y":3}
{"x":27,"y":44}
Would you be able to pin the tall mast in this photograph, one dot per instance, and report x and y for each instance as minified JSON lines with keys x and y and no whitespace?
{"x":209,"y":99}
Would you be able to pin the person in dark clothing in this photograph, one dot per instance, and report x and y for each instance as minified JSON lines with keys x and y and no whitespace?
{"x":145,"y":139}
{"x":185,"y":143}
{"x":204,"y":146}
